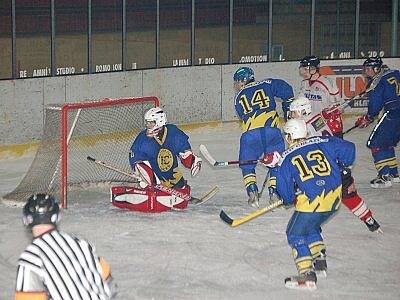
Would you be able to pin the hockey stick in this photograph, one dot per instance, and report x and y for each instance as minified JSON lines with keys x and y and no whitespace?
{"x":215,"y":163}
{"x":239,"y":221}
{"x":350,"y":129}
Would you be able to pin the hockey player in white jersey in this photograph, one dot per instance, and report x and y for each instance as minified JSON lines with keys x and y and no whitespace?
{"x":324,"y":96}
{"x":301,"y":108}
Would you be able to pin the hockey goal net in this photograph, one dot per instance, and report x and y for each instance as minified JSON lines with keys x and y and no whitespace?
{"x":103,"y":129}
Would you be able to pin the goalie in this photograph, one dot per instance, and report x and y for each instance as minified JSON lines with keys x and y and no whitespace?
{"x":154,"y":158}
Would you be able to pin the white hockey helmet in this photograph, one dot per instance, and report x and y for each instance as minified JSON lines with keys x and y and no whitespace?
{"x":158,"y":116}
{"x":296,"y":129}
{"x":300,"y":105}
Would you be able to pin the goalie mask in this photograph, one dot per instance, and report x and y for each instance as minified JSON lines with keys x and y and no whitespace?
{"x":155,"y":119}
{"x":295,"y":129}
{"x":299,"y":108}
{"x":41,"y":209}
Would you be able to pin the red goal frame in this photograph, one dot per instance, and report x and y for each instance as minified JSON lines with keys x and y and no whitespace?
{"x":65,"y":109}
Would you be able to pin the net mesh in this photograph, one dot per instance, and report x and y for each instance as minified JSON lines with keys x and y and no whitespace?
{"x":103,"y":132}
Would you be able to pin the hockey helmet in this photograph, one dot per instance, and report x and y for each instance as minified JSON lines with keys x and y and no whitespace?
{"x":310,"y":61}
{"x":158,"y":116}
{"x":41,"y":209}
{"x":296,"y":128}
{"x":374,"y":62}
{"x":244,"y":74}
{"x":301,"y":105}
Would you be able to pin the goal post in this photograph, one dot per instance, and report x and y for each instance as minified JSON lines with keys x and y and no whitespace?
{"x":103,"y":128}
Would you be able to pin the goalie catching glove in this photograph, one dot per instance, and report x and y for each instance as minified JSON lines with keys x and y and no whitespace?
{"x":191,"y":161}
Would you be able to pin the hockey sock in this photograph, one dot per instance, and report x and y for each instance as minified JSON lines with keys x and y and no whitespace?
{"x":357,"y":206}
{"x":317,"y":248}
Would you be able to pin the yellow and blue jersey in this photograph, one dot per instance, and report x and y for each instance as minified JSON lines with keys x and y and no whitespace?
{"x":386,"y":93}
{"x":310,"y":173}
{"x":255,"y":103}
{"x":162,"y":153}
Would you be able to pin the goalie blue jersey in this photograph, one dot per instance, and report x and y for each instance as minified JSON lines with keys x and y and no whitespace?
{"x":255,"y":103}
{"x":310,"y":173}
{"x":162,"y":153}
{"x":386,"y":93}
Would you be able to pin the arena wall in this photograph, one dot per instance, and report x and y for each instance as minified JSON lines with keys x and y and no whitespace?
{"x":188,"y":94}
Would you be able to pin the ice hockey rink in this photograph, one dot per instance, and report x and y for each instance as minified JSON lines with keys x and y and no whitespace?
{"x":192,"y":254}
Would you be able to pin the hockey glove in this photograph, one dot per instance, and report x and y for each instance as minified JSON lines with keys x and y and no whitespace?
{"x":333,"y":118}
{"x":191,"y":161}
{"x":252,"y":192}
{"x":196,"y":166}
{"x":144,"y":170}
{"x":363,"y":121}
{"x":272,"y":159}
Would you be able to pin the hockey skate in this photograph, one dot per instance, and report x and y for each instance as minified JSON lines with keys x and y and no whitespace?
{"x":381,"y":181}
{"x":373,"y":225}
{"x":395,"y":178}
{"x":306,"y":281}
{"x":320,"y":265}
{"x":253,"y":200}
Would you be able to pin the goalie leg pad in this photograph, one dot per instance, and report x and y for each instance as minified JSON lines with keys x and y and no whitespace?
{"x":147,"y":200}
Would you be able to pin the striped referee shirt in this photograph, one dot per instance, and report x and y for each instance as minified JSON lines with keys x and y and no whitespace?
{"x":64,"y":267}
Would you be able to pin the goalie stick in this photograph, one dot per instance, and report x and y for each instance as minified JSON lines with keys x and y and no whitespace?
{"x":204,"y":151}
{"x":168,"y":190}
{"x":239,"y":221}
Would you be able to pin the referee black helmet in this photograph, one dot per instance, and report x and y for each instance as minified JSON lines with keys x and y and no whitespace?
{"x":41,"y":209}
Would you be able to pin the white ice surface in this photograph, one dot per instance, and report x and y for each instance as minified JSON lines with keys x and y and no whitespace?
{"x":194,"y":255}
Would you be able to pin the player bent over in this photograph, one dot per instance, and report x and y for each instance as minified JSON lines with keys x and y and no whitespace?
{"x":154,"y":158}
{"x":324,"y":96}
{"x":256,"y":108}
{"x":300,"y":108}
{"x":309,"y":177}
{"x":383,"y":96}
{"x":56,"y":265}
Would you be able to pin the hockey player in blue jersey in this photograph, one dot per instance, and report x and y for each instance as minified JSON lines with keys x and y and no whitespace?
{"x":255,"y":105}
{"x":154,"y":158}
{"x":383,"y":95}
{"x":309,"y":177}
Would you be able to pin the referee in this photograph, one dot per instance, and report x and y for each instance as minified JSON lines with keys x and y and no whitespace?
{"x":56,"y":265}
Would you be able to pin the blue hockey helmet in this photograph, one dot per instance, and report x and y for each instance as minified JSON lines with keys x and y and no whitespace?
{"x":41,"y":209}
{"x":310,"y":61}
{"x":373,"y":62}
{"x":245,"y":74}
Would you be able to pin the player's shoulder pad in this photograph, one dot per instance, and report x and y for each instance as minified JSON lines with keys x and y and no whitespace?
{"x":309,"y":141}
